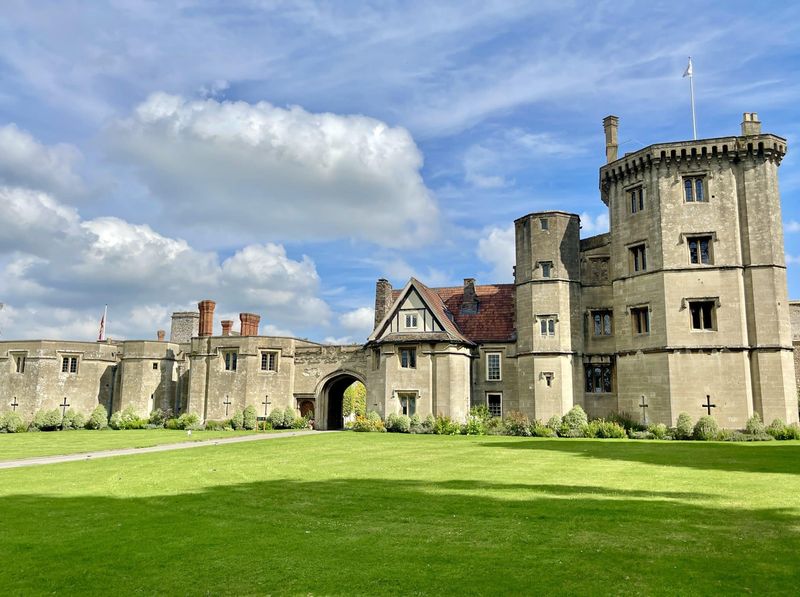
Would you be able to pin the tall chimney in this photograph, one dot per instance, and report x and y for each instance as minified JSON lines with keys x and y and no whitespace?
{"x":469,"y":303}
{"x":249,"y":324}
{"x":383,"y":299}
{"x":206,"y":308}
{"x":751,"y":125}
{"x":161,"y":334}
{"x":610,"y":126}
{"x":227,"y":324}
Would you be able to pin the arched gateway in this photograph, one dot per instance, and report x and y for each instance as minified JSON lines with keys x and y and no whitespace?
{"x":330,"y":397}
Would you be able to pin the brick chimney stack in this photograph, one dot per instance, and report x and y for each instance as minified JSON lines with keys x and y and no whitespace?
{"x":383,"y":300}
{"x":161,"y":334}
{"x":751,"y":125}
{"x":206,"y":308}
{"x":469,"y":303}
{"x":611,"y":126}
{"x":227,"y":325}
{"x":249,"y":324}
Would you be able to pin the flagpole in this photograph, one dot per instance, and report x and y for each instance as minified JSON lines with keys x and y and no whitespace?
{"x":694,"y":119}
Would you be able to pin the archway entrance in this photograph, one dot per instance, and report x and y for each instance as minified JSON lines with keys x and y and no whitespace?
{"x":331,"y":399}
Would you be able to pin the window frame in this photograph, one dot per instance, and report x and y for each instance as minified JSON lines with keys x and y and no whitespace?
{"x":697,"y":311}
{"x":544,"y":224}
{"x":19,"y":360}
{"x":699,"y":238}
{"x":409,"y":362}
{"x":603,"y":314}
{"x":547,"y":269}
{"x":637,"y":319}
{"x":269,"y":357}
{"x":636,"y":199}
{"x":70,"y":364}
{"x":230,"y":360}
{"x":689,"y":191}
{"x":499,"y":356}
{"x":637,"y":258}
{"x":498,"y":395}
{"x":411,"y":398}
{"x":547,"y":325}
{"x":413,"y":318}
{"x":595,"y":377}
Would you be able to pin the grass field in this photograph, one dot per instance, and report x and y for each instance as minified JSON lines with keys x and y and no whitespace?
{"x":29,"y":445}
{"x":385,"y":513}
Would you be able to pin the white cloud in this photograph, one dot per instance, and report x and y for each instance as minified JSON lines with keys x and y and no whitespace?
{"x":497,"y":248}
{"x":26,"y":162}
{"x":259,"y":170}
{"x":591,"y":225}
{"x":792,"y":226}
{"x":359,"y":322}
{"x":792,"y":259}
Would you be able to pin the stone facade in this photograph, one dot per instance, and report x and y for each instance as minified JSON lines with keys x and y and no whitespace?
{"x":684,"y":300}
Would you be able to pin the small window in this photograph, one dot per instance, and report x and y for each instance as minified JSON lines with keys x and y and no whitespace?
{"x":494,"y":402}
{"x":638,"y":258}
{"x":69,"y":364}
{"x":411,"y":320}
{"x":640,"y":320}
{"x":19,"y":363}
{"x":408,"y":358}
{"x":548,"y":378}
{"x":702,"y":313}
{"x":493,"y":366}
{"x":269,"y":361}
{"x":602,"y":322}
{"x":547,"y":268}
{"x":544,"y":223}
{"x":408,"y":403}
{"x":155,"y":366}
{"x":694,"y":189}
{"x":548,"y":326}
{"x":700,"y":250}
{"x":231,"y":360}
{"x":636,"y":199}
{"x":599,"y":378}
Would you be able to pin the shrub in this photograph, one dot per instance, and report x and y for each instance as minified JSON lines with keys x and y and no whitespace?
{"x":189,"y":421}
{"x":398,"y":423}
{"x":276,"y":419}
{"x":264,"y":426}
{"x":738,"y":436}
{"x":603,"y":429}
{"x":554,"y":423}
{"x":47,"y":420}
{"x":98,"y":419}
{"x":517,"y":423}
{"x":476,"y":425}
{"x":127,"y":419}
{"x":415,"y":424}
{"x":705,"y":429}
{"x":73,"y":420}
{"x":212,"y":425}
{"x":641,"y":435}
{"x":354,"y":400}
{"x":539,"y":429}
{"x":371,"y":422}
{"x":754,"y":425}
{"x":11,"y":422}
{"x":779,"y":430}
{"x":289,"y":415}
{"x":429,"y":424}
{"x":446,"y":426}
{"x":574,"y":423}
{"x":158,"y":417}
{"x":659,"y":431}
{"x":237,"y":420}
{"x":250,"y":418}
{"x":301,"y":423}
{"x":684,"y":428}
{"x":626,"y":420}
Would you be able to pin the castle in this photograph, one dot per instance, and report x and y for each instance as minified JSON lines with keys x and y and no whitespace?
{"x":682,"y":306}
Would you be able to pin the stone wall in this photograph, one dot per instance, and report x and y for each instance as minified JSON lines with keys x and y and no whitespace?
{"x":185,"y":326}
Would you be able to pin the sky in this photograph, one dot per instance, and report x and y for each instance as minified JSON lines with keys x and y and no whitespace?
{"x":280,"y":157}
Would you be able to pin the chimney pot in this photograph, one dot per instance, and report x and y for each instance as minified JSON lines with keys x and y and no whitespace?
{"x":469,"y":302}
{"x":611,"y":127}
{"x":227,"y":324}
{"x":751,"y":125}
{"x":383,"y":299}
{"x":206,"y":309}
{"x":161,"y":334}
{"x":249,"y":324}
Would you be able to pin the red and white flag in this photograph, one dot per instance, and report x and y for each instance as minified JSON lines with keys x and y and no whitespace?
{"x":102,"y":335}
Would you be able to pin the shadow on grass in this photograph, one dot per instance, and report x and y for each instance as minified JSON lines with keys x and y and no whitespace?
{"x":766,"y":457}
{"x":366,"y":536}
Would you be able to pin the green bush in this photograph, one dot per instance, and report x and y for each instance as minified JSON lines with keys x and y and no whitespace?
{"x":371,"y":422}
{"x":265,"y":426}
{"x":554,"y":423}
{"x":73,"y":420}
{"x":301,"y":423}
{"x":538,"y":429}
{"x":517,"y":423}
{"x":754,"y":425}
{"x":603,"y":429}
{"x":779,"y":430}
{"x":446,"y":426}
{"x":398,"y":423}
{"x":684,"y":428}
{"x":127,"y":419}
{"x":738,"y":436}
{"x":189,"y":421}
{"x":429,"y":424}
{"x":706,"y":429}
{"x":626,"y":421}
{"x":574,"y":423}
{"x":11,"y":422}
{"x":289,"y":415}
{"x":640,"y":434}
{"x":47,"y":420}
{"x":276,"y":418}
{"x":212,"y":425}
{"x":659,"y":431}
{"x":250,"y":418}
{"x":415,"y":424}
{"x":476,"y":425}
{"x":158,"y":417}
{"x":237,"y":420}
{"x":98,"y":419}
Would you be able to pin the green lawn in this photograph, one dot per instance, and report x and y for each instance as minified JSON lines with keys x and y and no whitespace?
{"x":384,"y":513}
{"x":30,"y":445}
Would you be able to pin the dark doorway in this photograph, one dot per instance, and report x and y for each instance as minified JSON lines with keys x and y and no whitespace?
{"x":306,"y":407}
{"x":335,"y":399}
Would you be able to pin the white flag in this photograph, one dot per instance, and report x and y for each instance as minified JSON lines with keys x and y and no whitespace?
{"x":688,"y":72}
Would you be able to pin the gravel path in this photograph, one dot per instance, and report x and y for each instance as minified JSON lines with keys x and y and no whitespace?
{"x":161,"y":448}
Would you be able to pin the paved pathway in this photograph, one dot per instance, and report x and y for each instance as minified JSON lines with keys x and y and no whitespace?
{"x":161,"y":448}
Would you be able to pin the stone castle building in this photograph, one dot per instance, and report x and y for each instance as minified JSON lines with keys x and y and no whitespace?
{"x":682,"y":306}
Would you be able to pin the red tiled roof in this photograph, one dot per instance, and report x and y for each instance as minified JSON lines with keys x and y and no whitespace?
{"x":494,"y":321}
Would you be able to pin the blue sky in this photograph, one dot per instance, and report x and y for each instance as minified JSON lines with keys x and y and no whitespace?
{"x":280,"y":157}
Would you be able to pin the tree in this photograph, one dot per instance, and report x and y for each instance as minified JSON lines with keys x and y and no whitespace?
{"x":355,"y":399}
